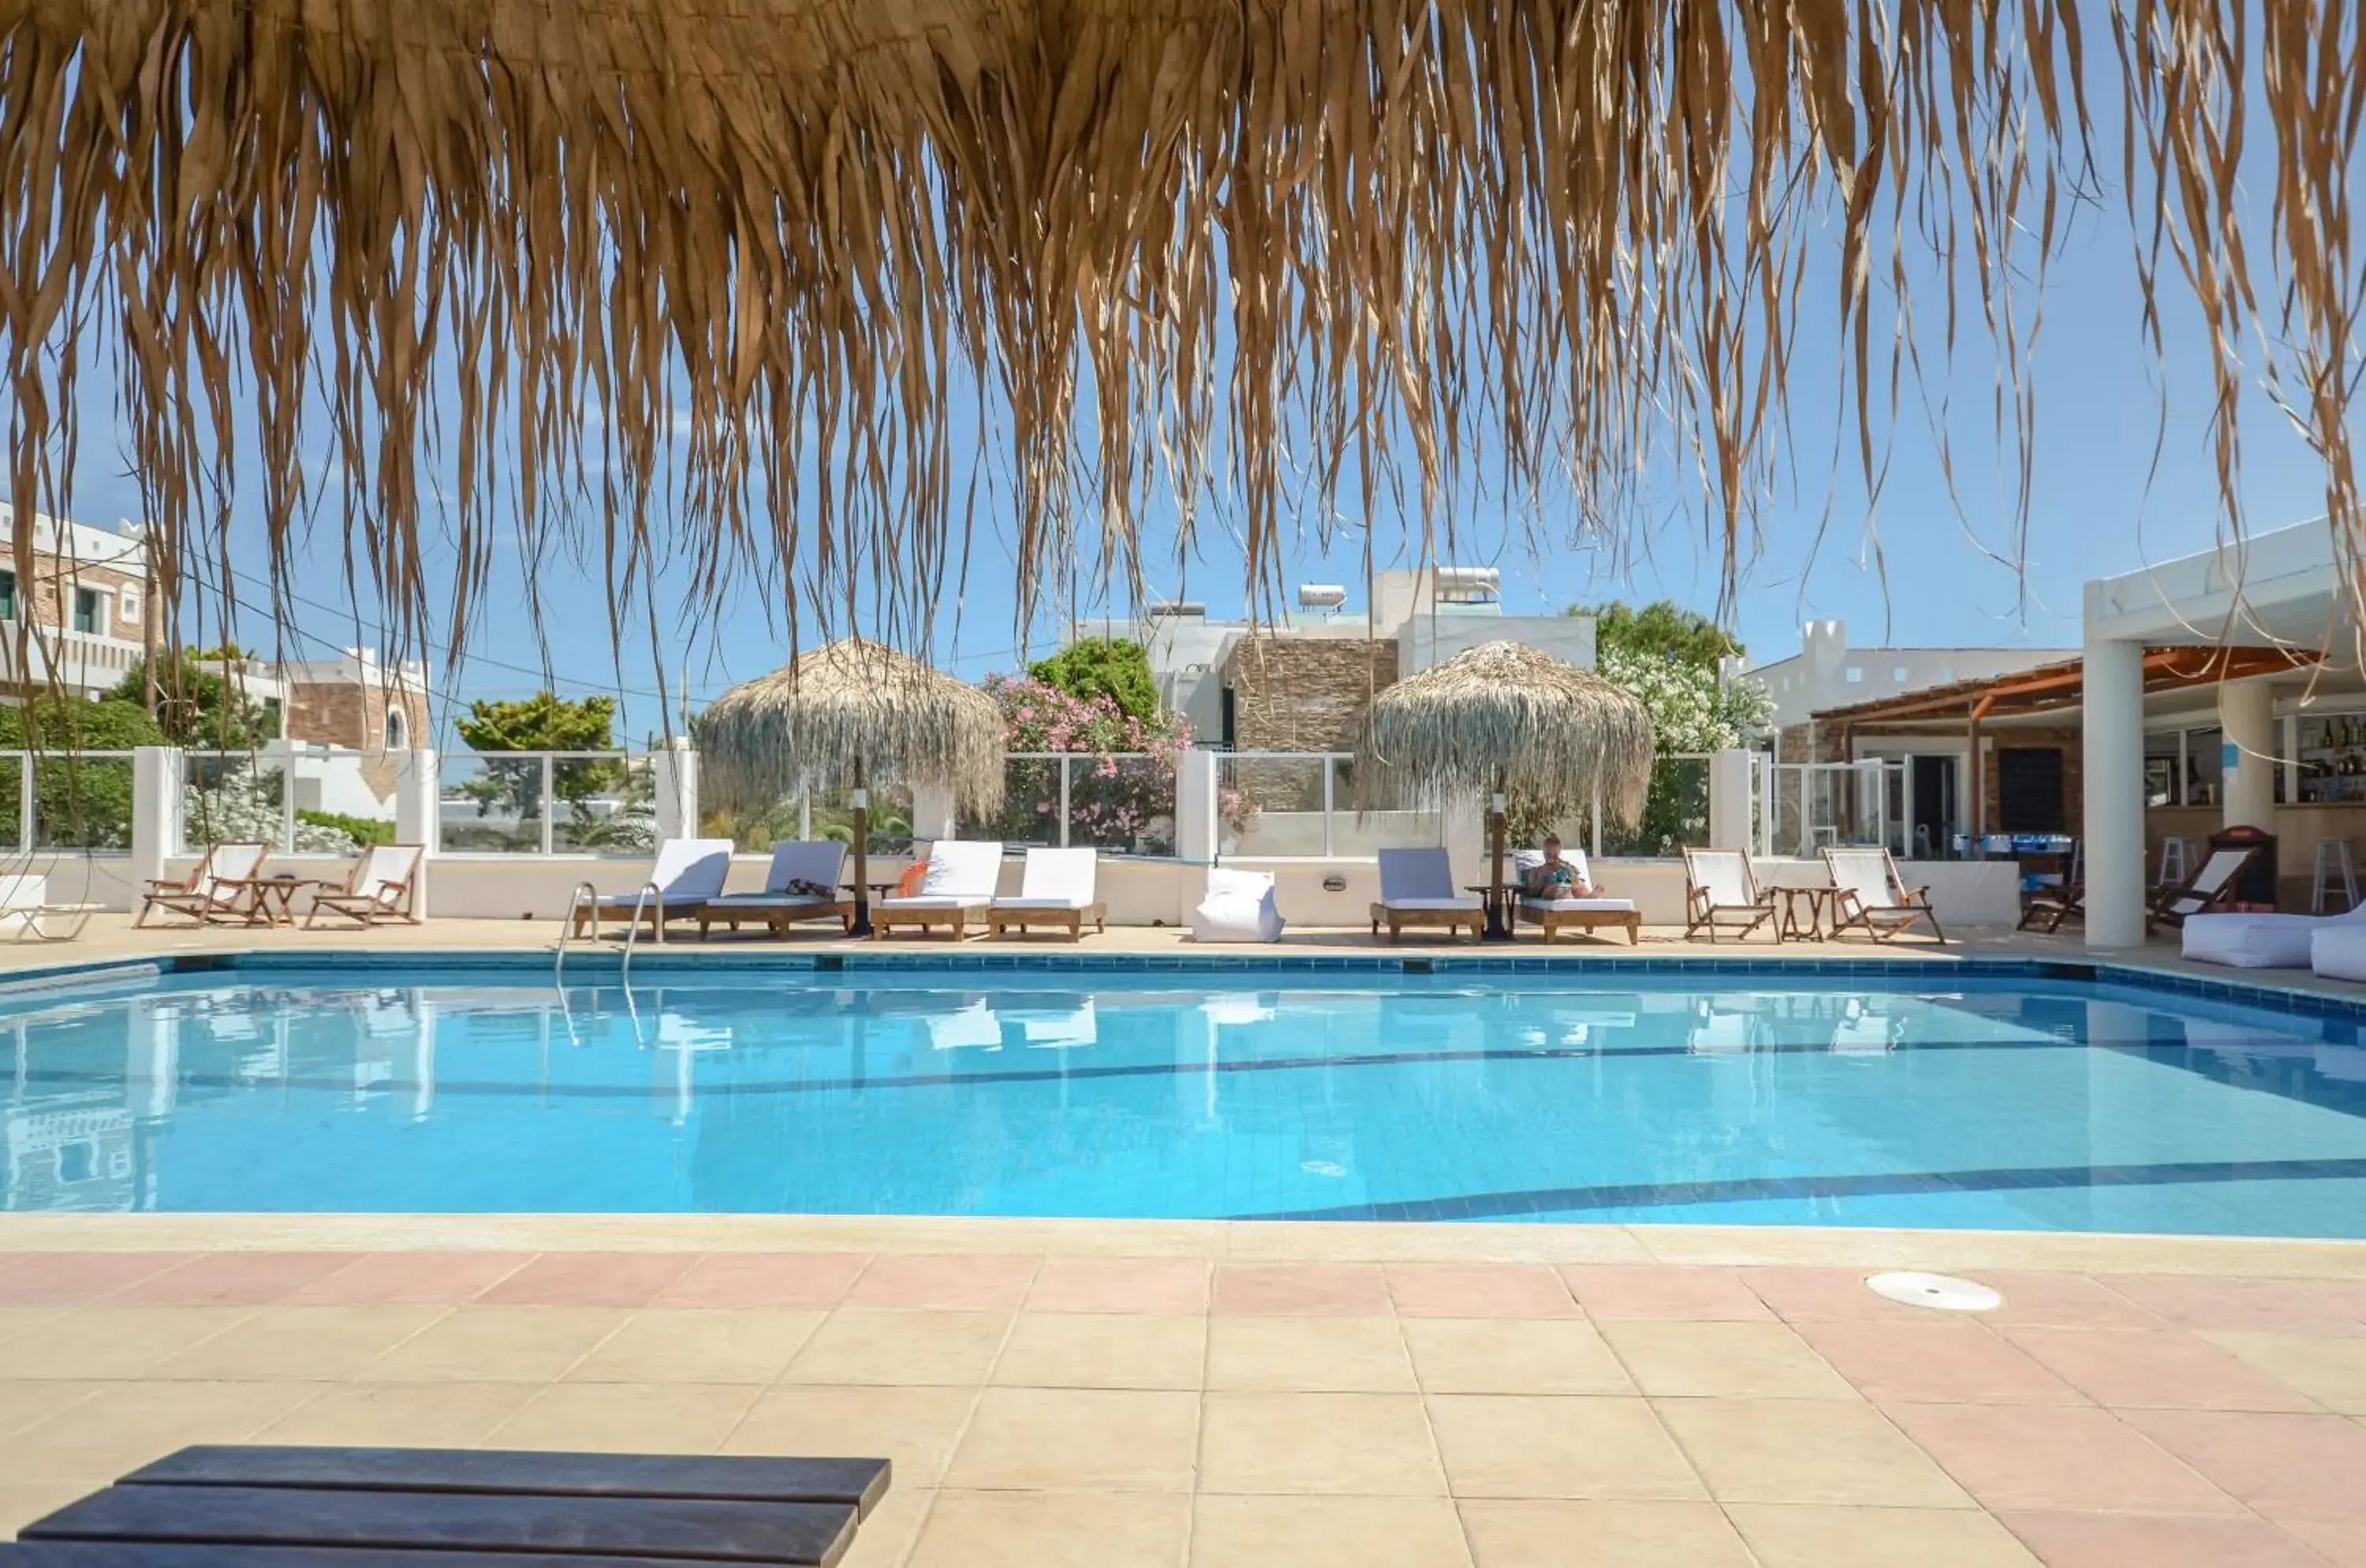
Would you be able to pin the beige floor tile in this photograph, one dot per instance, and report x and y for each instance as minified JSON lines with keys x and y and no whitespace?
{"x":24,"y":1403}
{"x":2329,"y":1369}
{"x":15,"y":1320}
{"x":1373,"y":1444}
{"x":300,"y":1344}
{"x":499,"y":1345}
{"x":124,"y":1426}
{"x":403,"y":1415}
{"x":20,"y":1505}
{"x":1333,"y":1355}
{"x":913,"y":1428}
{"x":627,"y":1417}
{"x":1054,"y":1529}
{"x":1557,"y":1534}
{"x":1326,"y":1532}
{"x":1079,"y":1439}
{"x":1104,"y":1350}
{"x":1499,"y":1355}
{"x":880,"y":1345}
{"x":1813,"y":1536}
{"x":112,"y":1342}
{"x":885,"y":1539}
{"x":1558,"y":1446}
{"x":1724,"y":1360}
{"x":703,"y":1344}
{"x":1805,"y":1451}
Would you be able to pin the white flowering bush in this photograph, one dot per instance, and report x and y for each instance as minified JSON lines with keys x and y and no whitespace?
{"x":239,"y":812}
{"x":1690,"y":712}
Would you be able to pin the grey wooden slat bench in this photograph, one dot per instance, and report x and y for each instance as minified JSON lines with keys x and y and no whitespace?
{"x":290,"y":1507}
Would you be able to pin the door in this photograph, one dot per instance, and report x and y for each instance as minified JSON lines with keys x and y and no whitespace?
{"x":1934,"y":796}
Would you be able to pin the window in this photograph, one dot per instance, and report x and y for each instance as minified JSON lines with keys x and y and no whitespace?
{"x":7,"y":595}
{"x":1855,"y":673}
{"x":86,"y":611}
{"x":1224,"y":725}
{"x":398,"y":730}
{"x":127,"y":605}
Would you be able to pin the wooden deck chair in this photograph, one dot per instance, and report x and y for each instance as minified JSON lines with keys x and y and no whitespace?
{"x":383,"y":888}
{"x":215,"y":888}
{"x":1721,"y":893}
{"x":2209,"y":888}
{"x":801,"y":883}
{"x":1417,"y":889}
{"x":687,"y":873}
{"x":1872,"y":898}
{"x":956,"y":891}
{"x":1056,"y":889}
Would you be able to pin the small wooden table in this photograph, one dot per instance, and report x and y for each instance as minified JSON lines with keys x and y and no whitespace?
{"x":1816,"y":899}
{"x":456,"y":1508}
{"x":271,"y":900}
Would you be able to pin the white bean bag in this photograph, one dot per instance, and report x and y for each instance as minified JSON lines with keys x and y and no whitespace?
{"x":2338,"y":950}
{"x":1238,"y":907}
{"x":2259,"y":940}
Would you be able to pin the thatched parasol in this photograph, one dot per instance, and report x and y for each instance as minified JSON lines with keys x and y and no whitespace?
{"x":1506,"y":718}
{"x":856,"y":714}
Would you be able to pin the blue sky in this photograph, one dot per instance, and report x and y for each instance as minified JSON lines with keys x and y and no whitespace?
{"x":2100,"y":506}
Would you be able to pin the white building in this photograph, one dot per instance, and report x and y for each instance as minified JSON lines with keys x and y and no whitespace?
{"x":83,"y":615}
{"x":1828,"y":673}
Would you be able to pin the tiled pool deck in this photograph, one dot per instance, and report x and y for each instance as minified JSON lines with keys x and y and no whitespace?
{"x":1198,"y":1395}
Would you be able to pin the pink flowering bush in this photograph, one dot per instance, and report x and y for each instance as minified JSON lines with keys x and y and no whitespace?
{"x":1123,"y":798}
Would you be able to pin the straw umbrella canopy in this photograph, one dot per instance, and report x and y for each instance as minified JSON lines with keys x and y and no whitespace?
{"x":854,"y":714}
{"x":1506,"y":718}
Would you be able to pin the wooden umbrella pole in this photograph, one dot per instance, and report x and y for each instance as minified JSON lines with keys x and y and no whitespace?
{"x":861,"y":853}
{"x":1497,"y":926}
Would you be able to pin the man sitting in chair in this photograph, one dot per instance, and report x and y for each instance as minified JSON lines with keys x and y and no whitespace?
{"x":1556,"y":878}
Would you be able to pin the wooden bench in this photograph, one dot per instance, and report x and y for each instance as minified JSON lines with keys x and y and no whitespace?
{"x":302,"y":1507}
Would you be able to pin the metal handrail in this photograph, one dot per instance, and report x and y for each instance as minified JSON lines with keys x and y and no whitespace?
{"x":633,"y":932}
{"x":575,"y":901}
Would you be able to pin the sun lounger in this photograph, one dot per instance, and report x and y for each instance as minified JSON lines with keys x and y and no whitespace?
{"x":1237,"y":906}
{"x":384,"y":887}
{"x":802,"y":884}
{"x":1056,"y":890}
{"x":2261,"y":940}
{"x":2205,"y":891}
{"x":1872,"y":898}
{"x":216,"y":889}
{"x":1556,"y":915}
{"x":688,"y":873}
{"x":25,"y":903}
{"x":1417,"y":889}
{"x":325,"y":1507}
{"x":957,"y":891}
{"x":1721,"y":893}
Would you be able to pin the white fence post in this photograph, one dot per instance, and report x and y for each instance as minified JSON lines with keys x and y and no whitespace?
{"x":1728,"y":801}
{"x":155,"y":809}
{"x":933,"y":814}
{"x":1194,"y":807}
{"x":418,"y":813}
{"x":674,"y":773}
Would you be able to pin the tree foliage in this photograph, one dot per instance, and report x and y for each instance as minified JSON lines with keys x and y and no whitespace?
{"x":1662,"y":629}
{"x":546,"y":722}
{"x":81,"y":802}
{"x":1110,"y":667}
{"x":543,"y":722}
{"x":199,"y":708}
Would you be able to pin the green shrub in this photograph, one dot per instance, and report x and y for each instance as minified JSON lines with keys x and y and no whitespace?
{"x":362,"y":830}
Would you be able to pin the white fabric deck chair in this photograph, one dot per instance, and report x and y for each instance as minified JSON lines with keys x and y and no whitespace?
{"x":688,"y":873}
{"x":2205,"y":891}
{"x":1238,"y":905}
{"x":215,"y":888}
{"x":25,"y":903}
{"x":1057,"y":889}
{"x":801,"y":883}
{"x":957,"y":889}
{"x":383,"y":887}
{"x":1417,"y":889}
{"x":1872,"y":898}
{"x":1553,"y":916}
{"x":1721,"y":893}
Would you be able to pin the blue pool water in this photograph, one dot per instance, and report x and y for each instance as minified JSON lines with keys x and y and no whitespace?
{"x":2023,"y":1104}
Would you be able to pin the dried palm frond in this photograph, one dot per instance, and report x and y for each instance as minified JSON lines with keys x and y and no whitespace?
{"x":1504,"y":716}
{"x":567,"y":266}
{"x":850,"y":713}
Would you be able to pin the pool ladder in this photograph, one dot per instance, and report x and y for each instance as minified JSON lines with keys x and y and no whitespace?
{"x":586,"y":896}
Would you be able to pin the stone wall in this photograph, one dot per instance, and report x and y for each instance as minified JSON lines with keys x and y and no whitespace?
{"x":1304,"y":694}
{"x":352,"y":714}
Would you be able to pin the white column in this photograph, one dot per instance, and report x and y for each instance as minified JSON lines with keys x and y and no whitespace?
{"x":1728,"y":801}
{"x":2247,"y":717}
{"x":675,"y":767}
{"x":933,"y":814}
{"x":418,"y":813}
{"x":2114,"y":763}
{"x":1194,"y":807}
{"x":155,"y":809}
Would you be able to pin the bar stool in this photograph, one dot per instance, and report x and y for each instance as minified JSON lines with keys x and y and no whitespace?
{"x":2334,"y":868}
{"x":2176,"y":861}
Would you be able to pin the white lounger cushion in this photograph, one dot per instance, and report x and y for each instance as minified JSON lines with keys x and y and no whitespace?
{"x":922,"y":901}
{"x":1055,"y":879}
{"x":962,"y":871}
{"x":818,"y":861}
{"x":1577,"y":902}
{"x":1420,"y":879}
{"x":772,"y":901}
{"x":689,"y":870}
{"x":1239,"y":906}
{"x":2338,"y":950}
{"x":1466,"y":901}
{"x":1043,"y":904}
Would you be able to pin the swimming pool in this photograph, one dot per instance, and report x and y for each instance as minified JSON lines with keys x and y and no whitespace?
{"x":2021,"y":1102}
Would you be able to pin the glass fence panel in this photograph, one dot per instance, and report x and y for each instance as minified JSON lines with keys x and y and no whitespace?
{"x":601,"y":804}
{"x":83,"y":801}
{"x":233,"y":797}
{"x":1271,"y":803}
{"x":1122,"y":804}
{"x":344,"y":799}
{"x":490,"y":805}
{"x":12,"y":798}
{"x":1675,"y":814}
{"x":1362,"y":827}
{"x":888,"y":820}
{"x":1030,"y":806}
